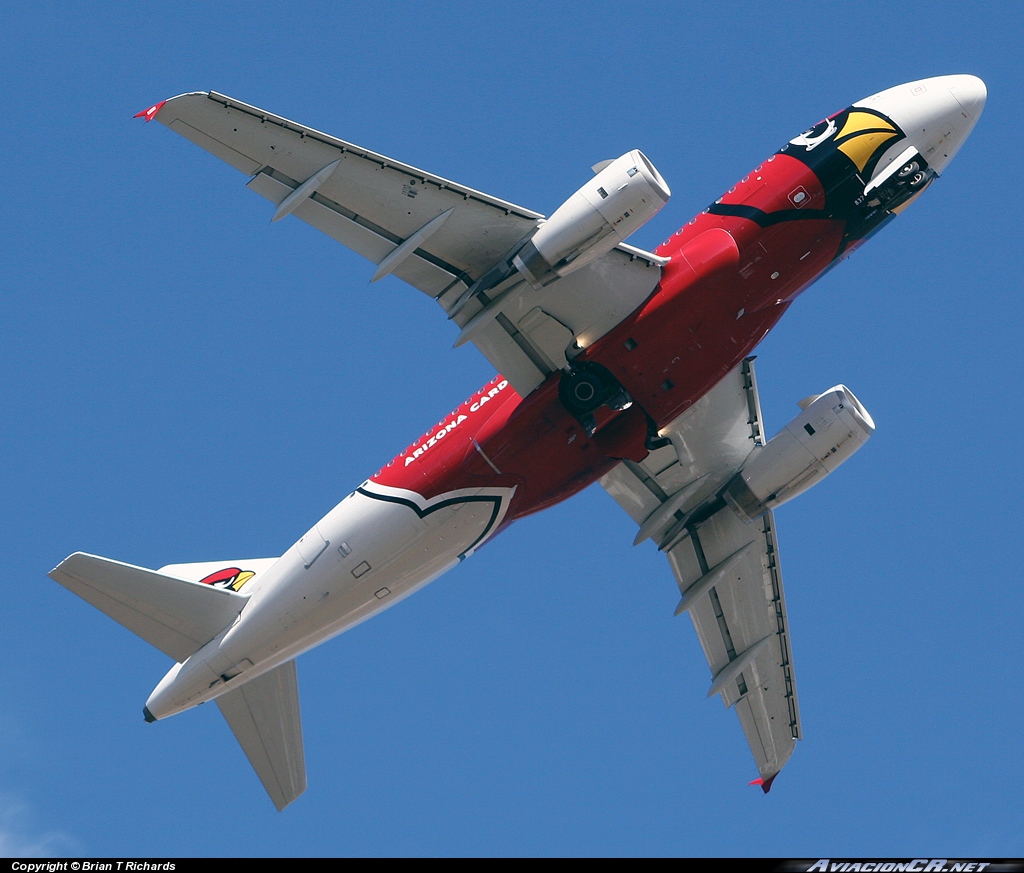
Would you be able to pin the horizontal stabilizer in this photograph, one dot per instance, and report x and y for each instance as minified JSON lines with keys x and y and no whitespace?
{"x":175,"y":615}
{"x":264,"y":716}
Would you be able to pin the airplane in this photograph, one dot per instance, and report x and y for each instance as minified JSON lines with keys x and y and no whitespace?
{"x":618,"y":365}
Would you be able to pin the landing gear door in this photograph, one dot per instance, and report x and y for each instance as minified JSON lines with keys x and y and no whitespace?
{"x":899,"y":183}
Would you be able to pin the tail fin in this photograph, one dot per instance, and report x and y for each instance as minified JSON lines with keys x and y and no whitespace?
{"x":264,"y":716}
{"x":179,"y":609}
{"x":175,"y":615}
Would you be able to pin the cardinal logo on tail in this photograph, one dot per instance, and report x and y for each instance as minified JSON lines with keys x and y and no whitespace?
{"x":231,"y":578}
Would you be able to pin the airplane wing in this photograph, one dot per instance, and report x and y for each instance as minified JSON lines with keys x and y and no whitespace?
{"x":438,"y":236}
{"x":264,"y":716}
{"x":727,"y":570}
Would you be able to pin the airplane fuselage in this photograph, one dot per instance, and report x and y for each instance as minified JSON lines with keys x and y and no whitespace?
{"x":735,"y":268}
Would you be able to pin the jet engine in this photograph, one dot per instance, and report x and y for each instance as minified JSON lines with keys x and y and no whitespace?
{"x":831,"y":427}
{"x":624,"y":194}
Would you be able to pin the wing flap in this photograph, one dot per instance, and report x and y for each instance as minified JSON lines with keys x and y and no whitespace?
{"x":524,"y":371}
{"x":264,"y":716}
{"x":343,"y":228}
{"x":709,"y":441}
{"x":373,"y":243}
{"x":591,"y":301}
{"x":176,"y":616}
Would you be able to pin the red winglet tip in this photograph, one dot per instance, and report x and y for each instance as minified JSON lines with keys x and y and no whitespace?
{"x":766,"y":784}
{"x":150,"y":114}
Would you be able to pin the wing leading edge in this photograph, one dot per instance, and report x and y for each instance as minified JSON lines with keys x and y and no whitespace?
{"x":435,"y":234}
{"x":727,"y":571}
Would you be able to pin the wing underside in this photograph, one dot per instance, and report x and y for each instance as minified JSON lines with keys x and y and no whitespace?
{"x":435,"y":234}
{"x":264,"y":716}
{"x":727,"y":571}
{"x":174,"y":614}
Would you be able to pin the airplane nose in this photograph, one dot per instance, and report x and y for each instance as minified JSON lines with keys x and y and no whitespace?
{"x":936,"y":114}
{"x":970,"y":92}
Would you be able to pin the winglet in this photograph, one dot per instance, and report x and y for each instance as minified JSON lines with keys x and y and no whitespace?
{"x":766,"y":784}
{"x":150,"y":114}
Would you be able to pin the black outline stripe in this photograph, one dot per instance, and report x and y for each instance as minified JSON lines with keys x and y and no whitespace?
{"x":423,"y":513}
{"x":767,"y":219}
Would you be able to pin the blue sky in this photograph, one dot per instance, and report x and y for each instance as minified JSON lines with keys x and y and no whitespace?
{"x":182,"y":381}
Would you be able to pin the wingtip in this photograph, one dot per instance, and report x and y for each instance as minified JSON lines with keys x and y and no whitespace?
{"x":766,"y":784}
{"x":150,"y":114}
{"x":59,"y":569}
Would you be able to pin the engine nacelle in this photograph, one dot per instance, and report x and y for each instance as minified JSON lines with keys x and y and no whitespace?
{"x":830,"y":429}
{"x":619,"y":199}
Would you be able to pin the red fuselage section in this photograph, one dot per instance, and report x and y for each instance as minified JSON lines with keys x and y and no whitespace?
{"x":734,"y":270}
